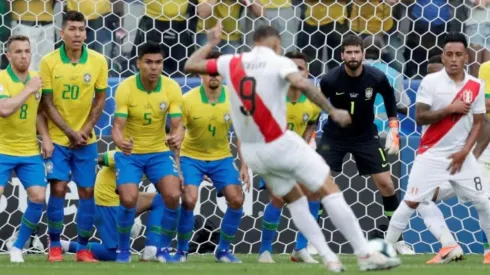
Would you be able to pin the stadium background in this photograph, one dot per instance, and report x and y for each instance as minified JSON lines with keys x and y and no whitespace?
{"x":408,"y":28}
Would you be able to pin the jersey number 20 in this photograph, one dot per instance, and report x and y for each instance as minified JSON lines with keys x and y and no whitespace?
{"x":247,"y":95}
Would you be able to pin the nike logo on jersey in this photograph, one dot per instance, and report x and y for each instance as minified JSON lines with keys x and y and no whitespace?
{"x":339,"y":93}
{"x":196,"y":118}
{"x":384,"y":165}
{"x":58,"y":76}
{"x":132,"y":106}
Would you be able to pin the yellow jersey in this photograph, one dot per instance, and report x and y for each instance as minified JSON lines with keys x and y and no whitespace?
{"x":275,"y":4}
{"x":33,"y":10}
{"x":207,"y":126}
{"x":105,"y":183}
{"x":319,"y":13}
{"x":146,"y":111}
{"x":228,"y":11}
{"x":301,"y":113}
{"x":73,"y":86}
{"x":371,"y":16}
{"x":484,"y":74}
{"x":92,"y":9}
{"x":167,"y":10}
{"x":18,"y":135}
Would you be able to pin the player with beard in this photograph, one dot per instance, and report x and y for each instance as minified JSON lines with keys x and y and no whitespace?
{"x":353,"y":87}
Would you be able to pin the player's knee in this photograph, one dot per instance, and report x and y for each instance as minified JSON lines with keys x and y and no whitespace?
{"x":235,"y":201}
{"x":189,"y":202}
{"x":86,"y":193}
{"x":37,"y":197}
{"x":172,"y":198}
{"x":385,"y":186}
{"x":277,"y":202}
{"x":128,"y":200}
{"x":58,"y":189}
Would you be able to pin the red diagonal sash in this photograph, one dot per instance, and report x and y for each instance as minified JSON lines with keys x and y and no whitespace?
{"x":436,"y":131}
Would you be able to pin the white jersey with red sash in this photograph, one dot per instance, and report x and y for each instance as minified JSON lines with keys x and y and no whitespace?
{"x":449,"y":135}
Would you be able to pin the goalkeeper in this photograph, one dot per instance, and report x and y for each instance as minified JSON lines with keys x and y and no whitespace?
{"x":106,"y":205}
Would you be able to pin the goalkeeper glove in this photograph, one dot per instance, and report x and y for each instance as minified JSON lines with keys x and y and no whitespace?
{"x":392,"y":139}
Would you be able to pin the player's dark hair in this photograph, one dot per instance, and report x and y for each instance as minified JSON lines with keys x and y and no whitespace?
{"x":213,"y":55}
{"x":73,"y":16}
{"x":436,"y":59}
{"x":150,"y":47}
{"x":297,"y":55}
{"x":264,"y":32}
{"x":16,"y":38}
{"x":455,"y":37}
{"x":351,"y":40}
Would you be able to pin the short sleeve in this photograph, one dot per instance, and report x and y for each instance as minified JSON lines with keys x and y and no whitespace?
{"x":4,"y":92}
{"x":316,"y":114}
{"x":109,"y":160}
{"x":479,"y":104}
{"x":287,"y":66}
{"x":424,"y":94}
{"x":175,"y":102}
{"x":122,"y":99}
{"x":185,"y":109}
{"x":102,"y":78}
{"x":484,"y":75}
{"x":223,"y":63}
{"x":45,"y":74}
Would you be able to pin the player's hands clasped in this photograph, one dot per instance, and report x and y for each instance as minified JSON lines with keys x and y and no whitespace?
{"x":126,"y":146}
{"x":342,"y":117}
{"x":35,"y":84}
{"x":458,"y":159}
{"x":460,"y":107}
{"x":77,"y":139}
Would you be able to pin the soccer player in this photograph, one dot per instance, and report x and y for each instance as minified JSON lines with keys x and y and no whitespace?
{"x":106,"y":205}
{"x":20,"y":94}
{"x":72,"y":76}
{"x":451,"y":108}
{"x":206,"y":152}
{"x":353,"y":86}
{"x":143,"y":102}
{"x":259,"y":83}
{"x":302,"y":118}
{"x":434,"y":64}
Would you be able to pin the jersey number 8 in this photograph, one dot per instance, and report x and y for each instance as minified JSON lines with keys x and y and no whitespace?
{"x":247,"y":95}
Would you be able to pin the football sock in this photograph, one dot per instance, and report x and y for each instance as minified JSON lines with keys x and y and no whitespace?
{"x":29,"y":222}
{"x":186,"y":225}
{"x":153,"y":222}
{"x":55,"y":214}
{"x":270,"y":222}
{"x":70,"y":247}
{"x":390,"y":204}
{"x":301,"y":241}
{"x":85,"y":221}
{"x":434,"y":220}
{"x":482,"y":206}
{"x":125,"y":220}
{"x":346,"y":222}
{"x":169,"y":225}
{"x":307,"y":225}
{"x":486,"y":247}
{"x":101,"y":252}
{"x":229,"y":227}
{"x":399,"y":222}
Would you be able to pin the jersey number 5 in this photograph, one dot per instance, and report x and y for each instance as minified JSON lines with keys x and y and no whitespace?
{"x":247,"y":95}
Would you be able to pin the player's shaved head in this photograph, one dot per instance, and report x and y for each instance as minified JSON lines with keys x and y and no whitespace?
{"x":19,"y":52}
{"x":268,"y":36}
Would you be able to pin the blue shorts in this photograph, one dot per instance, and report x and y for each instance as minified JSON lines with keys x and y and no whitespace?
{"x":30,"y":170}
{"x":78,"y":165}
{"x":130,"y":169}
{"x":105,"y":222}
{"x":222,"y":172}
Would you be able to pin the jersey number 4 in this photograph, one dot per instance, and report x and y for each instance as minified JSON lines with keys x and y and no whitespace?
{"x":248,"y":95}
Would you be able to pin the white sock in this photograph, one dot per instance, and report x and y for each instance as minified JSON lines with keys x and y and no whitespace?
{"x":434,"y":220}
{"x":346,"y":222}
{"x":398,"y":222}
{"x":65,"y":246}
{"x":482,"y":206}
{"x":307,"y":225}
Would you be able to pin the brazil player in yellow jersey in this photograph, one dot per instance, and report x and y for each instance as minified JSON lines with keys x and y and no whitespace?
{"x":143,"y":102}
{"x":206,"y":152}
{"x":72,"y":76}
{"x":106,"y":205}
{"x":20,"y":94}
{"x":302,"y":118}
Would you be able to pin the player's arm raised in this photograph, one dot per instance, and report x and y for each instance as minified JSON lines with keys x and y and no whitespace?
{"x":342,"y":117}
{"x":197,"y":62}
{"x":9,"y":105}
{"x":120,"y":117}
{"x":98,"y":104}
{"x":42,"y":129}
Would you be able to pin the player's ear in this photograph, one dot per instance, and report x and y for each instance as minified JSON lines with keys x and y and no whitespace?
{"x":138,"y":63}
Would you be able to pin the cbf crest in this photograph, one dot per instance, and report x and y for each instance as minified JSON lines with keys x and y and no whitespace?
{"x":48,"y":167}
{"x":369,"y":93}
{"x":87,"y":78}
{"x":163,"y":106}
{"x":467,"y":96}
{"x":37,"y":95}
{"x":306,"y":117}
{"x":227,"y":117}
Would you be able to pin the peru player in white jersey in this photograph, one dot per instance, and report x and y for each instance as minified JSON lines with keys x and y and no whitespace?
{"x":259,"y":81}
{"x":451,"y":107}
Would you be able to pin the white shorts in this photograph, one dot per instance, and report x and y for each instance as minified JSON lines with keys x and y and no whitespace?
{"x":429,"y":172}
{"x":446,"y":191}
{"x":284,"y":162}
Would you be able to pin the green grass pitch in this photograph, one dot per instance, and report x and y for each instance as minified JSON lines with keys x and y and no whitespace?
{"x":205,"y":265}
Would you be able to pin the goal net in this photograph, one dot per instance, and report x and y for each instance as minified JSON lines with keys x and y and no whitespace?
{"x":406,"y":40}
